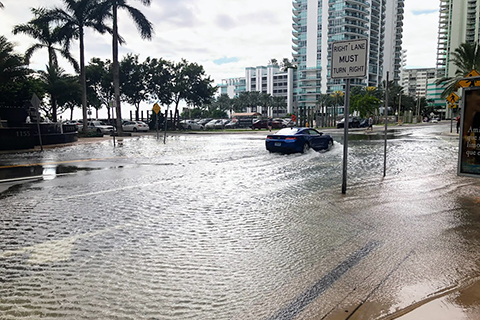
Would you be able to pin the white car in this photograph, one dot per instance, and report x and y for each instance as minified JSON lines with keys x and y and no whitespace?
{"x":214,"y":124}
{"x":191,"y":125}
{"x":135,"y":126}
{"x":97,"y":126}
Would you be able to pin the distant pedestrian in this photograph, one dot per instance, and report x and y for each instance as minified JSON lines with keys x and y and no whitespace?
{"x":269,"y":124}
{"x":458,"y":123}
{"x":370,"y":123}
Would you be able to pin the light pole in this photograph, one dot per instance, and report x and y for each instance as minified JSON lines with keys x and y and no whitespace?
{"x":418,"y":108}
{"x":399,"y":110}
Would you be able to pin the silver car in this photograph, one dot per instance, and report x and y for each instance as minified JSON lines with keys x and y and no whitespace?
{"x":97,"y":126}
{"x":191,"y":125}
{"x":135,"y":126}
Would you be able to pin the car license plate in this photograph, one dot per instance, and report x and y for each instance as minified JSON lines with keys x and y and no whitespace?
{"x":278,"y":144}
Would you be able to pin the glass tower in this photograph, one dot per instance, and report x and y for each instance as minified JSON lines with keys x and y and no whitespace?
{"x":318,"y":23}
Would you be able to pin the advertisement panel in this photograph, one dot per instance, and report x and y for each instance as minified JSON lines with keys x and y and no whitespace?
{"x":469,"y":148}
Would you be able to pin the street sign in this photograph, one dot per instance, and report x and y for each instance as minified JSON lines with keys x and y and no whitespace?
{"x":470,"y":83}
{"x":294,"y":118}
{"x":453,"y":98}
{"x":349,"y":59}
{"x":156,"y":108}
{"x":35,"y":101}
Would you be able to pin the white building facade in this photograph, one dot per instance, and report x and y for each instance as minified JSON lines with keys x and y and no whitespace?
{"x":414,"y":81}
{"x":266,"y":79}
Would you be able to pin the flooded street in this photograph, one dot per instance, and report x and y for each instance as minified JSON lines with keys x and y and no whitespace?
{"x":213,"y":226}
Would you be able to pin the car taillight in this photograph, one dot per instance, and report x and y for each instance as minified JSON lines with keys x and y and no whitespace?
{"x":291,"y":138}
{"x":269,"y":137}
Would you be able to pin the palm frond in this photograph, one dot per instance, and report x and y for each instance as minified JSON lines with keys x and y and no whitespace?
{"x":144,"y":26}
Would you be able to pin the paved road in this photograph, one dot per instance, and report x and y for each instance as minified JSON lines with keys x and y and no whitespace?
{"x":211,"y":226}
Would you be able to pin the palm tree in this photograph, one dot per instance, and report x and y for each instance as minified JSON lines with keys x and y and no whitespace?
{"x":78,"y":15}
{"x":12,"y":65}
{"x":54,"y":82}
{"x":278,"y":102}
{"x":39,"y":28}
{"x":47,"y":37}
{"x":324,"y":102}
{"x":466,"y":58}
{"x":337,"y":97}
{"x":265,"y":100}
{"x":145,"y":28}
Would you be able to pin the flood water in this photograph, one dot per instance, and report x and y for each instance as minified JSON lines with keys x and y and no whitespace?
{"x":212,"y":226}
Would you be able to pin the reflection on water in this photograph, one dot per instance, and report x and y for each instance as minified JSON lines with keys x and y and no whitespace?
{"x":45,"y":172}
{"x":49,"y":172}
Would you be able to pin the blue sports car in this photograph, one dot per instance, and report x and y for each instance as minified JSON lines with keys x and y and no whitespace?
{"x":290,"y":140}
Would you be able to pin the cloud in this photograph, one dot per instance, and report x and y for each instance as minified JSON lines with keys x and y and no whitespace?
{"x":224,"y":21}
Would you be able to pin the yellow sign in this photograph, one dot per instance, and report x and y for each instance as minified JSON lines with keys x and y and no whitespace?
{"x":453,"y":106}
{"x":470,"y":83}
{"x":156,"y":108}
{"x":452,"y":98}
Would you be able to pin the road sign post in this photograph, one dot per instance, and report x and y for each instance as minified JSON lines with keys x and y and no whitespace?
{"x":156,"y":109}
{"x":35,"y":101}
{"x":349,"y":60}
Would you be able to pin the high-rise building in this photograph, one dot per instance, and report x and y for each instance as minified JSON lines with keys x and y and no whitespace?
{"x":459,"y":22}
{"x":318,"y":23}
{"x":414,"y":81}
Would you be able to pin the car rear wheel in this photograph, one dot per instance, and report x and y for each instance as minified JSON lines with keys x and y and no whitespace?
{"x":135,"y":129}
{"x":306,"y":147}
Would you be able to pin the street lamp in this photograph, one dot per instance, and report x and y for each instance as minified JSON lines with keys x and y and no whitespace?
{"x":399,"y":110}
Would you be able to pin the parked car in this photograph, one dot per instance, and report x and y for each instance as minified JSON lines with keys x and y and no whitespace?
{"x":204,"y":121}
{"x":233,"y":124}
{"x":135,"y":126}
{"x":97,"y":126}
{"x":77,"y":123}
{"x":214,"y":124}
{"x":353,"y":122}
{"x":297,"y":139}
{"x":191,"y":125}
{"x":263,"y":124}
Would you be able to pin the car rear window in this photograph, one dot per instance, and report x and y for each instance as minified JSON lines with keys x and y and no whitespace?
{"x":287,"y":131}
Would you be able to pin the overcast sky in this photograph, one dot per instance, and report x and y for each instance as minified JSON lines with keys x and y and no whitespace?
{"x":224,"y":36}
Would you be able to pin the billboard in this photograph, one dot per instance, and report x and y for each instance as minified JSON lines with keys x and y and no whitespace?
{"x":469,"y":145}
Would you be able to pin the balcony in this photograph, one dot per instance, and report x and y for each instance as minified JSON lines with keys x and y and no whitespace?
{"x":358,"y":2}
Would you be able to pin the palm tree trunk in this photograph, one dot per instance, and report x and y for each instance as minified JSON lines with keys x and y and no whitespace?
{"x":83,"y":80}
{"x":53,"y":101}
{"x":116,"y":71}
